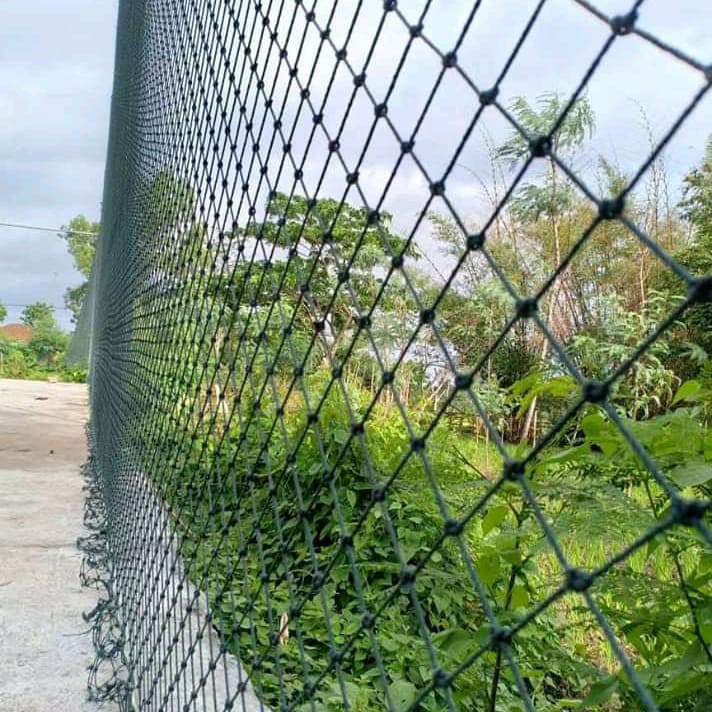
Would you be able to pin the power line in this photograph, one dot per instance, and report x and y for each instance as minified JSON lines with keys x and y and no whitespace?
{"x":22,"y":306}
{"x":47,"y":229}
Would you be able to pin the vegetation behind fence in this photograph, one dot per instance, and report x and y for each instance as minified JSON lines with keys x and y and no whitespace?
{"x":412,"y":435}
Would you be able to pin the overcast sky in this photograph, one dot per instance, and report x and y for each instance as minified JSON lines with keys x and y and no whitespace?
{"x":56,"y":61}
{"x":56,"y":64}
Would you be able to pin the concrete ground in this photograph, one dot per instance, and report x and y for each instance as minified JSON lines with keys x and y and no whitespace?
{"x":43,"y":656}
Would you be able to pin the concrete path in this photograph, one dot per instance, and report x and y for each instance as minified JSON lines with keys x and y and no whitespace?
{"x":43,"y":657}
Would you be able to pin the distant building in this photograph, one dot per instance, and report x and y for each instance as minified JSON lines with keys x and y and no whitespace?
{"x":17,"y":332}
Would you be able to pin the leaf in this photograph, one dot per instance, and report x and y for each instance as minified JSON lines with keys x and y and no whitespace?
{"x":684,"y":685}
{"x":488,"y":569}
{"x":570,"y":454}
{"x":520,"y":597}
{"x":493,"y":518}
{"x":402,"y":694}
{"x":695,"y":472}
{"x":694,"y":655}
{"x":687,"y":391}
{"x":593,"y":425}
{"x":351,"y":497}
{"x":705,"y":563}
{"x":341,"y":436}
{"x":601,"y":692}
{"x":454,"y":641}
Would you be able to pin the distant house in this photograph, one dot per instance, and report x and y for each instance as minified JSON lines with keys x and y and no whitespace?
{"x":17,"y":332}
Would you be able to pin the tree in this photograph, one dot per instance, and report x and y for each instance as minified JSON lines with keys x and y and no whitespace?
{"x":696,"y":208}
{"x":38,"y":315}
{"x":322,"y":237}
{"x":81,"y":235}
{"x":548,"y":204}
{"x":47,"y":339}
{"x":3,"y":313}
{"x":47,"y":342}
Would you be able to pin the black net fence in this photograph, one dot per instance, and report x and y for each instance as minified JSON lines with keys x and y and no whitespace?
{"x":399,"y":396}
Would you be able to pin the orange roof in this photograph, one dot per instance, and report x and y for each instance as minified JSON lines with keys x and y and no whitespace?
{"x":17,"y":332}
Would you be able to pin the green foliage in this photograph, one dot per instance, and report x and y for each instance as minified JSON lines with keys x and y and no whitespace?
{"x":322,"y":237}
{"x":38,"y":315}
{"x":43,"y":356}
{"x":567,"y":135}
{"x":265,"y":533}
{"x":596,"y":496}
{"x":81,"y":235}
{"x":659,"y":601}
{"x":47,"y":339}
{"x":646,"y":388}
{"x":3,"y":312}
{"x":696,"y":208}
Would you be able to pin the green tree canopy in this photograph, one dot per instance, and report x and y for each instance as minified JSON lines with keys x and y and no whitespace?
{"x":47,"y":338}
{"x":696,"y":208}
{"x":38,"y":315}
{"x":321,"y":239}
{"x":3,"y":312}
{"x":81,"y":235}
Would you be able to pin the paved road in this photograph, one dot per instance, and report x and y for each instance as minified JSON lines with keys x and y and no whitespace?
{"x":43,"y":660}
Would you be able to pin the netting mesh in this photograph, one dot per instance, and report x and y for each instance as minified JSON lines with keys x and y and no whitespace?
{"x":274,"y":519}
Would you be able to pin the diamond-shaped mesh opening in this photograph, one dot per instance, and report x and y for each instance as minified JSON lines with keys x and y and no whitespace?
{"x":399,"y":387}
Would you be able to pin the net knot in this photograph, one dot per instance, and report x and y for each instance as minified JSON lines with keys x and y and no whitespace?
{"x":689,"y":512}
{"x":527,"y":307}
{"x":540,"y":146}
{"x":417,"y":444}
{"x":368,"y":620}
{"x":595,"y":391}
{"x":449,"y":60}
{"x":489,"y":96}
{"x":500,"y":636}
{"x":513,"y":470}
{"x":453,"y":527}
{"x":407,"y":577}
{"x":700,"y":290}
{"x":623,"y":24}
{"x":437,"y":187}
{"x":441,"y":678}
{"x":611,"y":208}
{"x":463,"y":381}
{"x":577,"y":580}
{"x":378,"y":493}
{"x":416,"y":30}
{"x":475,"y":241}
{"x":427,"y":316}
